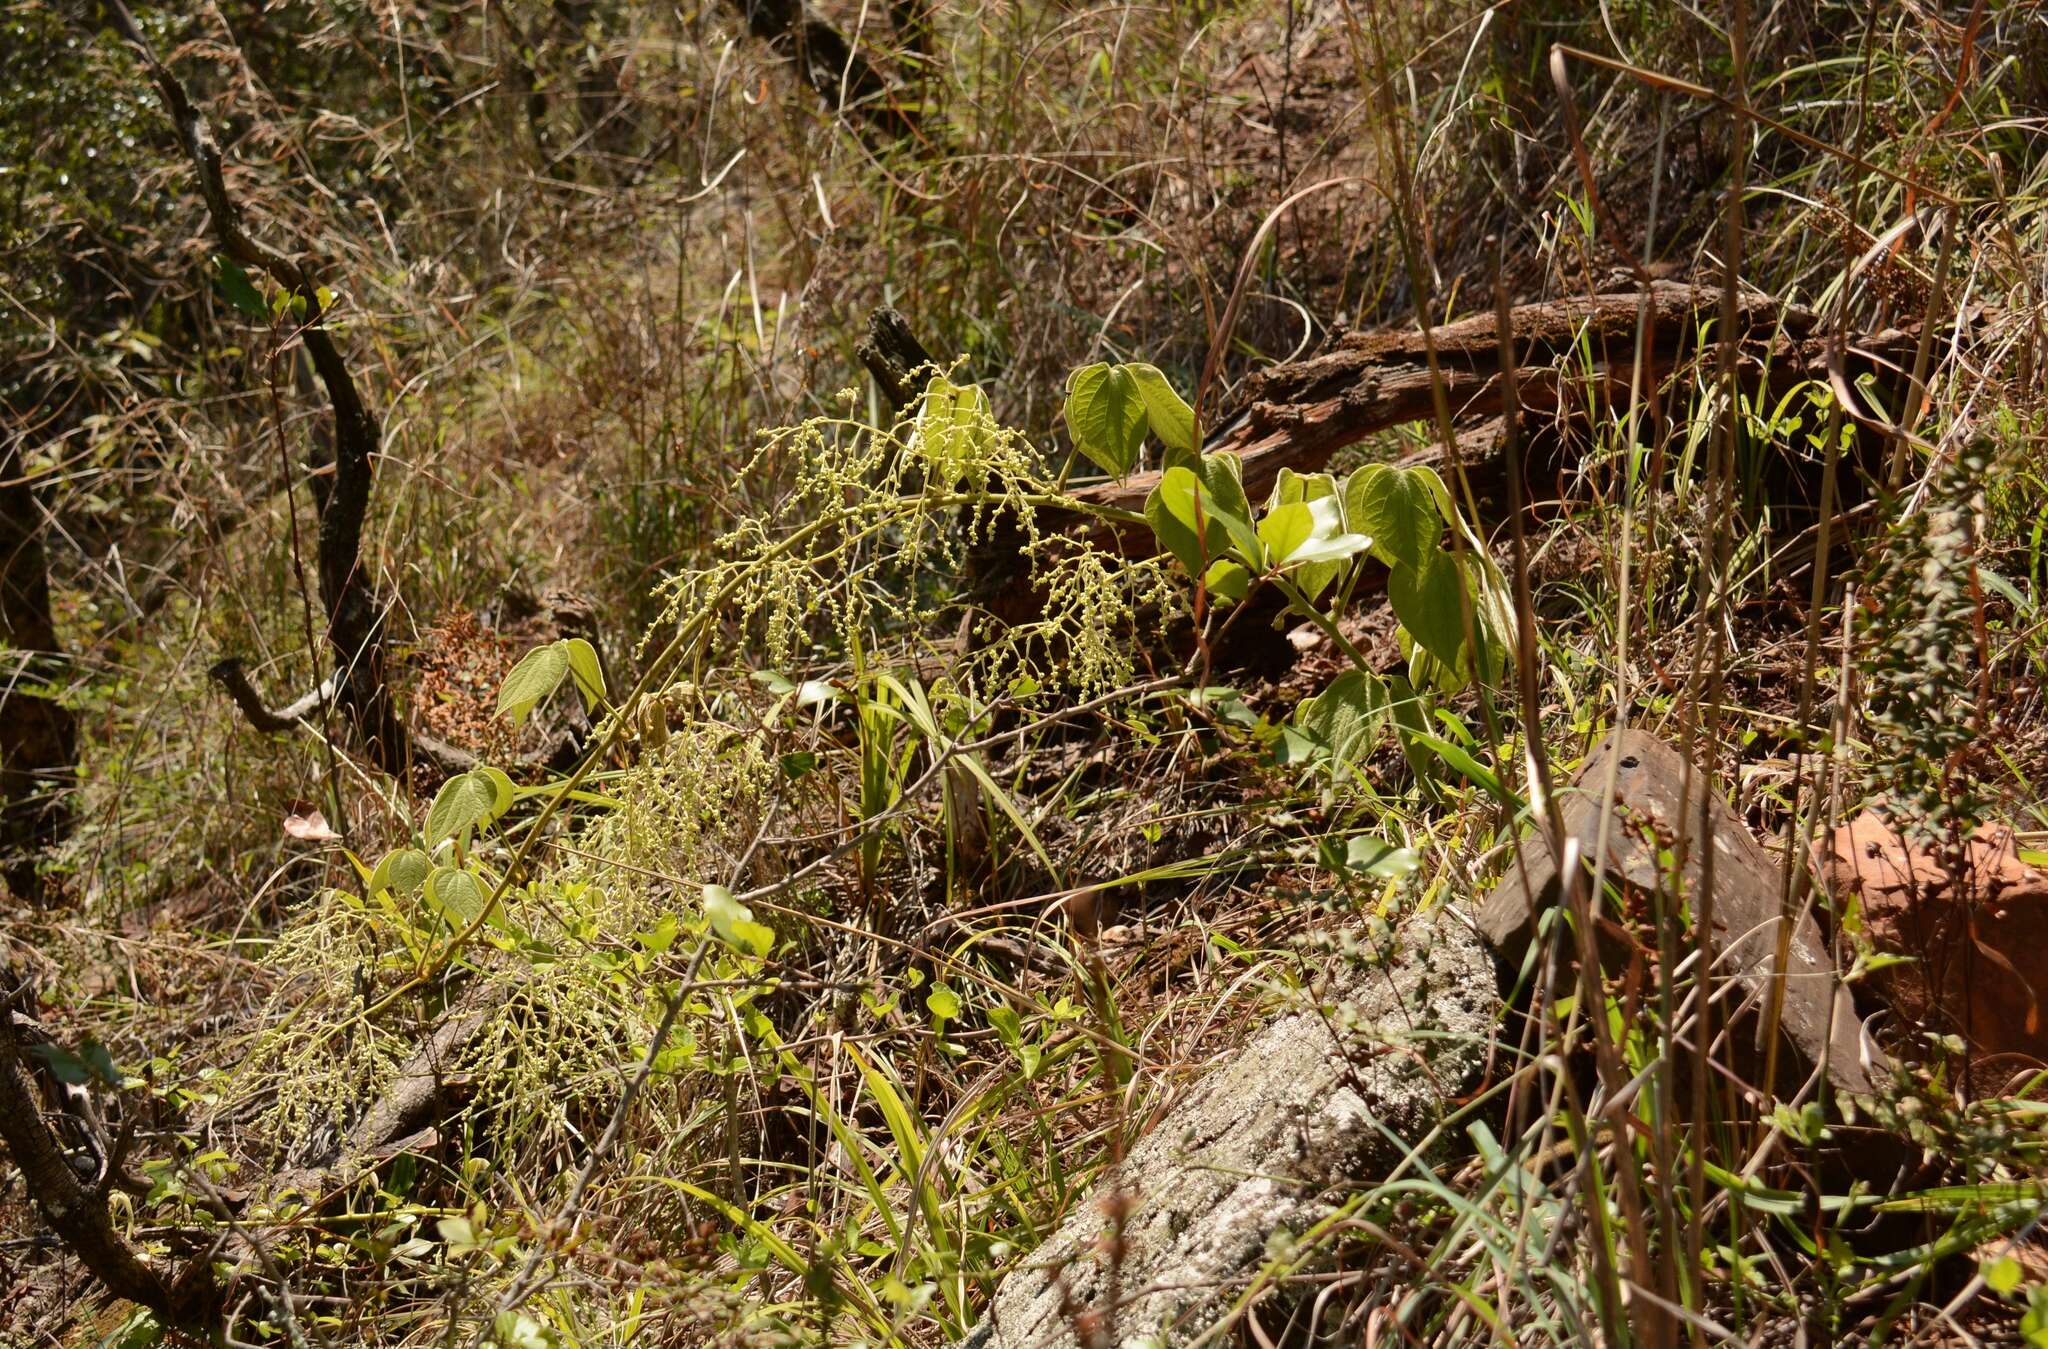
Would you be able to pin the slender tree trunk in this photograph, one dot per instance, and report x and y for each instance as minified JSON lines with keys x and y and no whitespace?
{"x":38,"y":734}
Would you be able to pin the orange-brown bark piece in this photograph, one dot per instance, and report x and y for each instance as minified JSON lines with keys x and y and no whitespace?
{"x":1975,"y":926}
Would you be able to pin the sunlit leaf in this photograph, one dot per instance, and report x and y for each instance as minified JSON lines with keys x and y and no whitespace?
{"x":1171,"y":419}
{"x":402,"y":872}
{"x":1106,"y":416}
{"x":459,"y":894}
{"x":583,"y":664}
{"x":464,"y":801}
{"x":734,"y":923}
{"x":1396,"y":508}
{"x":537,"y":675}
{"x":1376,"y":857}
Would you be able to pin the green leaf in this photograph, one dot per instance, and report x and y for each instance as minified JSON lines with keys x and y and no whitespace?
{"x":1428,"y":598}
{"x":459,"y":1233}
{"x":1312,"y":578}
{"x":2003,"y":1275}
{"x":464,"y":801}
{"x":140,"y":1331}
{"x":1376,"y":857}
{"x":1172,"y":420}
{"x":537,"y":675}
{"x":951,"y":420}
{"x":1396,"y":509}
{"x":1228,"y":580}
{"x":589,"y":674}
{"x":1348,"y":716}
{"x":235,"y":284}
{"x":458,"y":894}
{"x":1172,"y":509}
{"x":1106,"y":416}
{"x":734,"y":922}
{"x":943,"y":1003}
{"x":1284,"y":529}
{"x":1316,"y":535}
{"x":1008,"y":1025}
{"x":402,"y":872}
{"x":1459,"y":760}
{"x":501,"y":785}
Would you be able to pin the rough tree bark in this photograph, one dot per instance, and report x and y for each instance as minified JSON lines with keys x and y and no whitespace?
{"x":38,"y":735}
{"x":1299,"y":414}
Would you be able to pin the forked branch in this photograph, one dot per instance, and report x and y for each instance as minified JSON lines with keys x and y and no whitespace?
{"x":355,"y":625}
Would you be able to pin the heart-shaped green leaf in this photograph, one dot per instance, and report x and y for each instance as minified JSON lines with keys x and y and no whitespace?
{"x":1228,"y":580}
{"x":1171,"y":419}
{"x":402,"y":872}
{"x":1347,"y":717}
{"x":1397,"y":509}
{"x":1183,"y":527}
{"x":458,"y":894}
{"x":537,"y":675}
{"x":1429,"y":600}
{"x":1106,"y":416}
{"x":464,"y":801}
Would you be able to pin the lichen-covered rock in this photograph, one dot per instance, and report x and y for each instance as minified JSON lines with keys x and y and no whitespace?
{"x":1264,"y":1146}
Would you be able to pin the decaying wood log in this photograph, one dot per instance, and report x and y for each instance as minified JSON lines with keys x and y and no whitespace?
{"x":1299,"y":414}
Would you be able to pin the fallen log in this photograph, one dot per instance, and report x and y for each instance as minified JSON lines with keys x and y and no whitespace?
{"x":1567,"y":352}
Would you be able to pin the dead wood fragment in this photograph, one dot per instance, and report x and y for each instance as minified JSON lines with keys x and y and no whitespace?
{"x":1652,"y":788}
{"x":893,"y":355}
{"x":1973,"y":922}
{"x":406,"y":1116}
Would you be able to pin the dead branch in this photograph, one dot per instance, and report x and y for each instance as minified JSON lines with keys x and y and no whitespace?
{"x":443,"y":759}
{"x":355,"y":623}
{"x":893,"y":355}
{"x":829,"y":63}
{"x":78,"y":1213}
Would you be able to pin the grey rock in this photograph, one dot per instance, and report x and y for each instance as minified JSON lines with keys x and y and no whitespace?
{"x":1326,"y":1099}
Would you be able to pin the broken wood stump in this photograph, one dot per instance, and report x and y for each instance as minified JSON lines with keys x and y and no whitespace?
{"x":1568,"y":355}
{"x":1654,"y":792}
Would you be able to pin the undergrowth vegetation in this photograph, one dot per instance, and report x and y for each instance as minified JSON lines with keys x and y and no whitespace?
{"x":879,"y":789}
